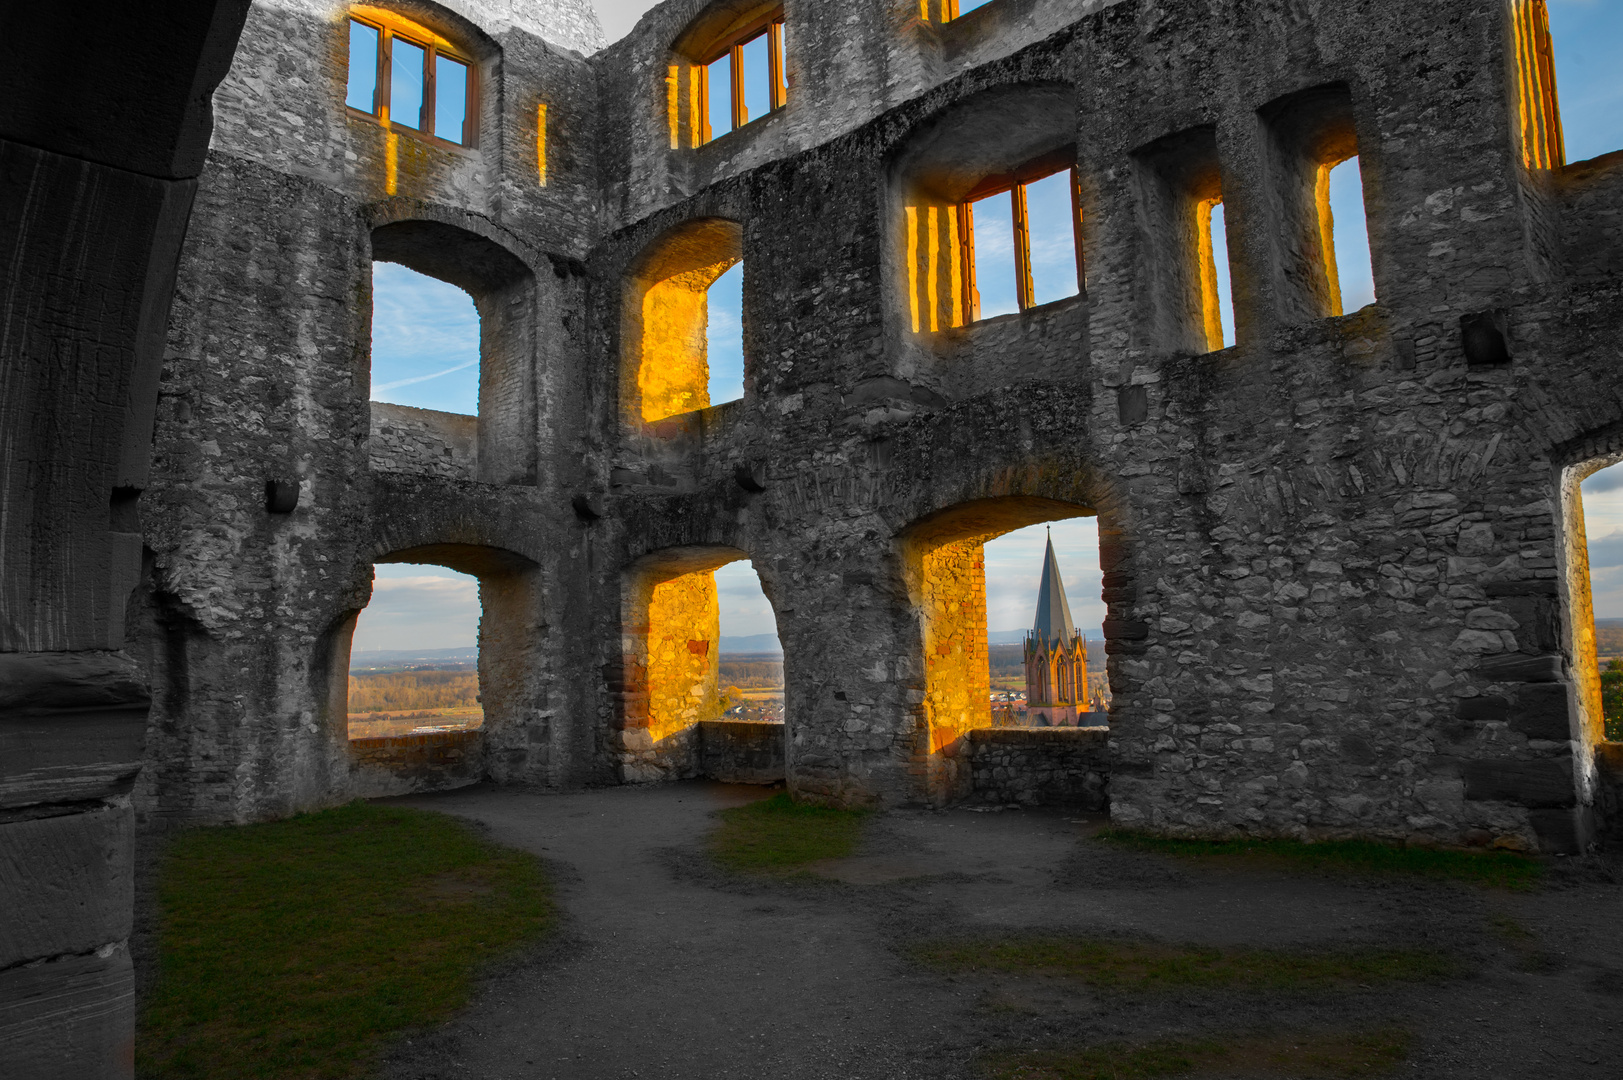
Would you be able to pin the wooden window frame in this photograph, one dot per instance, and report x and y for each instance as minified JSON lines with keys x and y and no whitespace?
{"x":771,"y":25}
{"x":949,"y":9}
{"x":433,"y":48}
{"x":1015,"y":183}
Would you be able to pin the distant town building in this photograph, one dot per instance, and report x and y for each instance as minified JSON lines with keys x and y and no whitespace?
{"x":1056,"y":656}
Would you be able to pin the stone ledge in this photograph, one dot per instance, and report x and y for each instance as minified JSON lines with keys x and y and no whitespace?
{"x":1030,"y":736}
{"x":412,"y":742}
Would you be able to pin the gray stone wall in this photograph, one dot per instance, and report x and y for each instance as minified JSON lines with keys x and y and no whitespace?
{"x":1334,"y":554}
{"x":1041,"y":767}
{"x":423,"y":442}
{"x":741,"y":752}
{"x":401,"y":764}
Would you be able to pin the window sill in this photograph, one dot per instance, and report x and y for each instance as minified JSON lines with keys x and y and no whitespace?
{"x":370,"y":119}
{"x":1040,"y":311}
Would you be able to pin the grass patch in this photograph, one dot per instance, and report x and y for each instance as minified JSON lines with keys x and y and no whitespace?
{"x":1494,"y":869}
{"x":1324,"y":1054}
{"x":1142,"y":965}
{"x":294,"y":949}
{"x":779,"y":834}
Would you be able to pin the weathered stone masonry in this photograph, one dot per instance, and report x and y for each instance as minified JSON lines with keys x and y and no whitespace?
{"x":1345,"y":595}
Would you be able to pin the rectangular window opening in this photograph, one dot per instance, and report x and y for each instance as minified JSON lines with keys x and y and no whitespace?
{"x":1574,"y":45}
{"x":724,"y":336}
{"x":757,"y":78}
{"x":989,"y":238}
{"x":1019,"y":247}
{"x":406,"y":90}
{"x":450,"y":98}
{"x":746,"y":82}
{"x":362,"y":93}
{"x":1051,"y":231}
{"x":1346,"y":237}
{"x":1217,"y":286}
{"x":719,"y":96}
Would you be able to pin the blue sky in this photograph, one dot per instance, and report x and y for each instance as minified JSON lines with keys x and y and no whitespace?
{"x":426,"y":353}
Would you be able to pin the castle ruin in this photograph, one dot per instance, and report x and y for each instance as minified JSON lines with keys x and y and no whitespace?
{"x":1344,"y":559}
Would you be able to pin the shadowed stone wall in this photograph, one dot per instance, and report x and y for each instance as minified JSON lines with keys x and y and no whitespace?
{"x":1342,"y":587}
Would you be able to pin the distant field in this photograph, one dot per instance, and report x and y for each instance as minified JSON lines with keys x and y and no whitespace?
{"x":1608,"y":639}
{"x":395,"y":702}
{"x":752,"y":674}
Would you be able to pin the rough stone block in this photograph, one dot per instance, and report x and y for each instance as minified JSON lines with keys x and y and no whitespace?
{"x":1516,"y":667}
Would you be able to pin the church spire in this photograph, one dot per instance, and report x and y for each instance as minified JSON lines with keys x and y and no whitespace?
{"x":1053,"y":610}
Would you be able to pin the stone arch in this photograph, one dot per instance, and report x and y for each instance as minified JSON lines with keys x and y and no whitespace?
{"x":670,"y":649}
{"x":509,"y":596}
{"x":942,"y":559}
{"x":665,"y":367}
{"x":482,"y":262}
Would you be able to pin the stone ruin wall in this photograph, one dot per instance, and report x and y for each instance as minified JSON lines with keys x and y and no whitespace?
{"x":1336,"y":555}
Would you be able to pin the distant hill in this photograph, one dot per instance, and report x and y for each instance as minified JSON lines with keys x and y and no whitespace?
{"x":377,"y":658}
{"x":752,"y":644}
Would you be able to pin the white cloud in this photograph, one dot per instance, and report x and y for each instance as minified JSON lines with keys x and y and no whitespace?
{"x":1014,"y":565}
{"x":419,"y":607}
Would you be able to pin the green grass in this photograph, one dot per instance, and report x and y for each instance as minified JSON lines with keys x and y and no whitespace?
{"x":295,"y":949}
{"x":779,"y":834}
{"x":1151,"y":966}
{"x":1323,"y":1054}
{"x":1493,"y":869}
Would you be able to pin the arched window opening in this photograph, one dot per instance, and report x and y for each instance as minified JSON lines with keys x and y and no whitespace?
{"x":671,"y":326}
{"x":425,"y":342}
{"x":437,"y":670}
{"x":1595,"y":595}
{"x":967,"y":686}
{"x":733,"y":71}
{"x":1574,"y":44}
{"x":1044,"y":617}
{"x":672,"y":686}
{"x":990,"y":209}
{"x":406,"y":76}
{"x":437,"y":358}
{"x":414,"y":657}
{"x":1323,"y":265}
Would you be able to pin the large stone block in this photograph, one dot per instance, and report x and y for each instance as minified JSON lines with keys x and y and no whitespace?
{"x":1542,"y":783}
{"x":66,"y":884}
{"x":70,"y":1019}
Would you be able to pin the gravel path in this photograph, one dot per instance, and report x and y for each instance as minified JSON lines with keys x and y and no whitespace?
{"x":669,"y":968}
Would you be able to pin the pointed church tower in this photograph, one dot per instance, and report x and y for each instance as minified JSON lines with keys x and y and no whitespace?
{"x":1056,"y":656}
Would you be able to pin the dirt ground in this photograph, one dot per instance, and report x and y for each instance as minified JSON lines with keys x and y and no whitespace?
{"x":668,"y":967}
